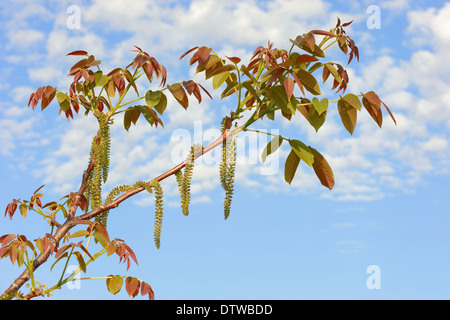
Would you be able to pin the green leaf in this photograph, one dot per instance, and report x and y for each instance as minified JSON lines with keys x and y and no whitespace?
{"x":348,"y":115}
{"x":290,"y":167}
{"x":219,"y":79}
{"x":23,"y":210}
{"x":308,"y":81}
{"x":114,"y":284}
{"x":127,"y":118}
{"x":303,"y":151}
{"x":352,"y":100}
{"x":315,"y":119}
{"x":79,"y":233}
{"x":100,"y":238}
{"x":80,"y":260}
{"x":333,"y":71}
{"x":61,"y":257}
{"x":320,"y":106}
{"x":152,"y":98}
{"x":161,"y":106}
{"x":272,"y":146}
{"x":61,"y":96}
{"x":281,"y":100}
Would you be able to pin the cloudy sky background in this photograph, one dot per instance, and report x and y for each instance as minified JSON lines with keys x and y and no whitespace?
{"x":388,"y":207}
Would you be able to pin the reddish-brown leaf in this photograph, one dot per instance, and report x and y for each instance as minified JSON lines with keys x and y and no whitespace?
{"x":390,"y":113}
{"x":132,"y":286}
{"x":187,"y":52}
{"x":179,"y":94}
{"x":235,"y":60}
{"x":78,"y":53}
{"x":322,"y":169}
{"x":147,"y":289}
{"x":289,"y":87}
{"x":6,"y":239}
{"x":323,"y":33}
{"x":305,"y":58}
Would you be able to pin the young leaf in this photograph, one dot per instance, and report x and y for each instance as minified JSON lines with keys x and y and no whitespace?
{"x":289,"y":87}
{"x":352,"y":100}
{"x":80,"y":260}
{"x":290,"y":167}
{"x":179,"y":94}
{"x":348,"y":115}
{"x":322,"y":169}
{"x":78,"y":53}
{"x":152,"y":98}
{"x":132,"y":286}
{"x":320,"y":106}
{"x":308,"y":81}
{"x":373,"y":106}
{"x":303,"y":151}
{"x":114,"y":284}
{"x":219,"y":79}
{"x":271,"y":147}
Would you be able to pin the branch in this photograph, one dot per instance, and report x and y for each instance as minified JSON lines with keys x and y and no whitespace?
{"x":130,"y":193}
{"x":62,"y":230}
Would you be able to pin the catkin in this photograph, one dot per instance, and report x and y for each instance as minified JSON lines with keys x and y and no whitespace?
{"x":227,"y":169}
{"x":184,"y":179}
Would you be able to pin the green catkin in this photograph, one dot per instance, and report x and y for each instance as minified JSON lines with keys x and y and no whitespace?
{"x":184,"y":179}
{"x":103,"y":217}
{"x":227,"y":169}
{"x":158,"y":211}
{"x":105,"y":144}
{"x":229,"y":175}
{"x":156,"y":187}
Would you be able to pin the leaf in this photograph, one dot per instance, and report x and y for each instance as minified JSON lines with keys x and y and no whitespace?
{"x":150,"y":115}
{"x":80,"y":259}
{"x":219,"y":79}
{"x":373,"y":105}
{"x":271,"y":147}
{"x":322,"y":169}
{"x":100,"y":238}
{"x":161,"y":106}
{"x":127,"y":118}
{"x":114,"y":284}
{"x":303,"y":151}
{"x":187,"y":52}
{"x":320,"y":106}
{"x":61,"y":257}
{"x":305,"y":58}
{"x":330,"y":67}
{"x":132,"y":286}
{"x":289,"y":85}
{"x":78,"y":53}
{"x":23,"y":210}
{"x":152,"y":98}
{"x":316,"y":119}
{"x":179,"y":94}
{"x":390,"y":113}
{"x":79,"y":233}
{"x":352,"y":100}
{"x":279,"y":97}
{"x":146,"y":288}
{"x":235,"y":60}
{"x":308,"y":81}
{"x":290,"y":167}
{"x":348,"y":115}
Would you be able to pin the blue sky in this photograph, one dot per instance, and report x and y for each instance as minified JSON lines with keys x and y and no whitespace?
{"x":388,"y":208}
